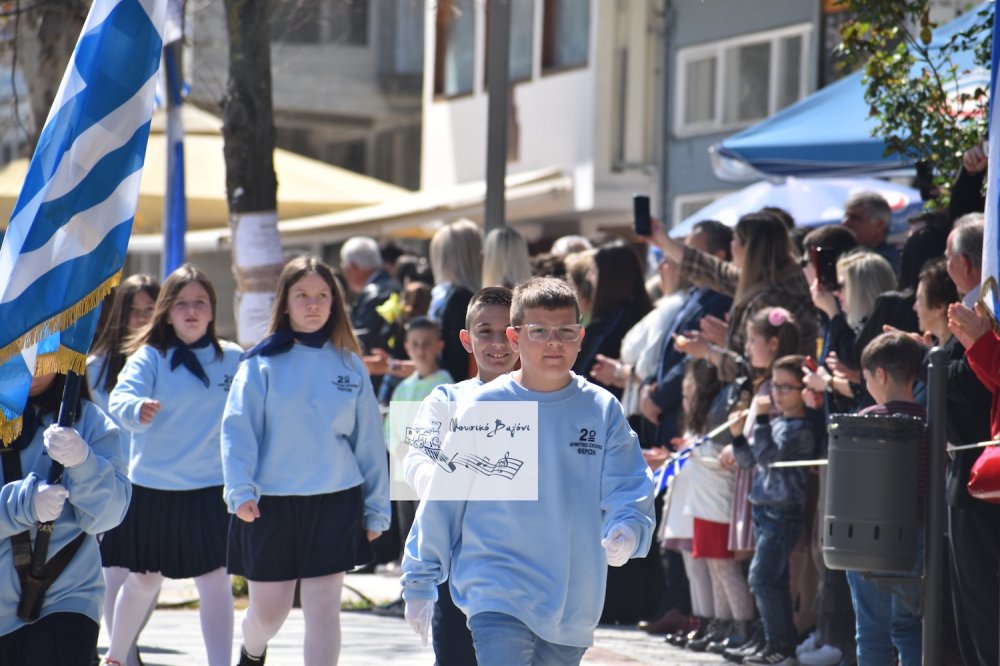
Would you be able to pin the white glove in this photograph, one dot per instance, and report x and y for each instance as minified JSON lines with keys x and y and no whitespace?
{"x":49,"y":501}
{"x":65,"y":446}
{"x":619,"y":544}
{"x":418,"y":614}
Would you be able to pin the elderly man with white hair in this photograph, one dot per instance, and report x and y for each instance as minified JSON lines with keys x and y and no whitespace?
{"x":366,"y":277}
{"x":868,"y":215}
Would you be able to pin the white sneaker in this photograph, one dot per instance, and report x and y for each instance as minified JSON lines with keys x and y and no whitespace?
{"x":824,"y":655}
{"x":808,"y":645}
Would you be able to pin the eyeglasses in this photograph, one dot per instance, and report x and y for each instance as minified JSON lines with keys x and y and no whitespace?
{"x":782,"y":389}
{"x":539,"y":333}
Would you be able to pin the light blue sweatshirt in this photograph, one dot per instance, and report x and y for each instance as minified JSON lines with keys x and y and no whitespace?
{"x":541,"y":561}
{"x":99,"y":493}
{"x":97,"y":394}
{"x":305,"y":422}
{"x":417,"y":467}
{"x":179,"y":448}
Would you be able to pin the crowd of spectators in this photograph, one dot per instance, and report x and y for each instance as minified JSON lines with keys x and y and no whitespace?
{"x":730,"y":351}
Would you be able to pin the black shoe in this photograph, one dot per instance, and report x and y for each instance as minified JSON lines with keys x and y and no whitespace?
{"x":247,"y":660}
{"x":717,"y":631}
{"x":695,"y":628}
{"x":773,"y":656}
{"x":739,"y":636}
{"x":681,"y":636}
{"x":755,"y":645}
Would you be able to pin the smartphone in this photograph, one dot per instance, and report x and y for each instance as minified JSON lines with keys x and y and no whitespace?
{"x":811,"y":364}
{"x":824,"y":261}
{"x":640,"y":215}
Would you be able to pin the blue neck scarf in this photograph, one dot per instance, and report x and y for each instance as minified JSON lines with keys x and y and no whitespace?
{"x":183,"y":355}
{"x":283,"y":340}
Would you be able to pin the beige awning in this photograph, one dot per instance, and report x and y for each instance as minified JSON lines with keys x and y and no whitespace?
{"x":305,"y":186}
{"x":529,"y":196}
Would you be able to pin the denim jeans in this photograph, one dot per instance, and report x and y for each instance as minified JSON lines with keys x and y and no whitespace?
{"x":776,"y":530}
{"x":887,"y":617}
{"x":503,"y":640}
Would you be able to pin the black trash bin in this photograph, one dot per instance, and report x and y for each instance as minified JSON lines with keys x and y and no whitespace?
{"x":871,"y":517}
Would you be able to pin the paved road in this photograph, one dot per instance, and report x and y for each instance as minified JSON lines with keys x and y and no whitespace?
{"x":173,"y":636}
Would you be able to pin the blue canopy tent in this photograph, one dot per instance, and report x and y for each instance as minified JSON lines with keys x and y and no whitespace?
{"x":810,"y":201}
{"x":829,"y":132}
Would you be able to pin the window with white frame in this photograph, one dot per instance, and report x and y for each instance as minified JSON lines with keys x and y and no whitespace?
{"x":735,"y":82}
{"x":686,"y":205}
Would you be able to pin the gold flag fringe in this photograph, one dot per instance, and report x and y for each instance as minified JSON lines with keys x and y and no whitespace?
{"x":61,"y":361}
{"x":9,"y":430}
{"x":62,"y":320}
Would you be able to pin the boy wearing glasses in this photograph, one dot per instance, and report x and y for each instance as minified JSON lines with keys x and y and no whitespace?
{"x":530,"y":575}
{"x":778,"y":497}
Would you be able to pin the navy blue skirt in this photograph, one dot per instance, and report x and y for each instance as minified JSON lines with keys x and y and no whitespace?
{"x":300,"y":536}
{"x":179,"y":533}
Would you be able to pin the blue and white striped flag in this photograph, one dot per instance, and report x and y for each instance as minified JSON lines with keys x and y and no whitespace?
{"x":991,"y":237}
{"x":65,"y":246}
{"x":66,"y":242}
{"x":15,"y":382}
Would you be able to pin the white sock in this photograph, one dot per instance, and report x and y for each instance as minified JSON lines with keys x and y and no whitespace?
{"x":114,"y":578}
{"x":321,"y":610}
{"x":269,"y":606}
{"x":130,"y":612}
{"x":215,"y":595}
{"x":700,"y":583}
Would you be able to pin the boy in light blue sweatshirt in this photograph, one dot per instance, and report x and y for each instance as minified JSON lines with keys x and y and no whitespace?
{"x":485,"y":337}
{"x":530,"y":575}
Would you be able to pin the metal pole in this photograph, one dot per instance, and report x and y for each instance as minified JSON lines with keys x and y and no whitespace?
{"x":498,"y":74}
{"x":665,"y":116}
{"x":174,"y":201}
{"x":934,"y":524}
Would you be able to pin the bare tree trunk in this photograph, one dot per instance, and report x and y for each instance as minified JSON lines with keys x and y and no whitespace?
{"x":251,"y":184}
{"x":47,"y":35}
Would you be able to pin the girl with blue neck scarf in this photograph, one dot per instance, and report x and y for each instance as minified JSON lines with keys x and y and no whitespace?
{"x":170,"y":396}
{"x":305,"y":464}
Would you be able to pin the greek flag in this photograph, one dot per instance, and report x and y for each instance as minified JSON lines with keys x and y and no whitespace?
{"x":991,"y":238}
{"x":66,"y":241}
{"x":15,"y":381}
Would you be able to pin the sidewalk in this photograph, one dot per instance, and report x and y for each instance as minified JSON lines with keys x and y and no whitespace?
{"x":173,"y":636}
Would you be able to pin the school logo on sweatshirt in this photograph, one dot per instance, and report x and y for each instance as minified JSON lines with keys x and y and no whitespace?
{"x":345,"y":383}
{"x":586,"y":442}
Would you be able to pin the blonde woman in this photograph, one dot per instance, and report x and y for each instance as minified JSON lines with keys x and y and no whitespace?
{"x":506,"y":260}
{"x":456,"y":259}
{"x":862,"y":303}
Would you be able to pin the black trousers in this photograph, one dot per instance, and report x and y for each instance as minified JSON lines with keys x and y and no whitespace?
{"x":975,"y":566}
{"x":67,"y":639}
{"x":452,"y":638}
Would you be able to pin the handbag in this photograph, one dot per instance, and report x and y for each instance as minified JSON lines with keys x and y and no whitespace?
{"x":984,"y":479}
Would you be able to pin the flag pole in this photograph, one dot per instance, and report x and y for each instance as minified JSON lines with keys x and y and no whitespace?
{"x":175,"y":202}
{"x":33,"y":586}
